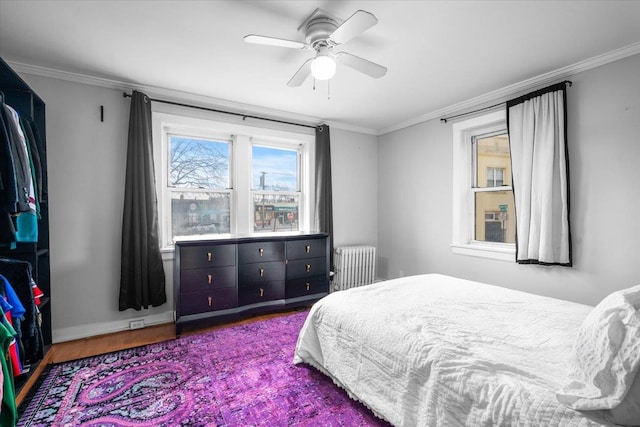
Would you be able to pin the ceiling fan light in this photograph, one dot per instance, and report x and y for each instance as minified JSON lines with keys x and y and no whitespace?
{"x":323,"y":67}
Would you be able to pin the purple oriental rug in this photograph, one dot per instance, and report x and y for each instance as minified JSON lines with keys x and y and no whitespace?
{"x":240,"y":375}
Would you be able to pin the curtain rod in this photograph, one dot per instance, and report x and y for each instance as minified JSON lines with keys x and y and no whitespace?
{"x":244,"y":116}
{"x":446,"y":119}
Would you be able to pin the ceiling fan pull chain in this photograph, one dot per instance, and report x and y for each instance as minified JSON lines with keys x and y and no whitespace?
{"x":314,"y":84}
{"x":328,"y":89}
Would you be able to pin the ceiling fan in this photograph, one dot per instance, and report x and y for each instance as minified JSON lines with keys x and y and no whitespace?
{"x":324,"y":32}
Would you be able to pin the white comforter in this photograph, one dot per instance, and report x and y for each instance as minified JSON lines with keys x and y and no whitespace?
{"x":433,"y":350}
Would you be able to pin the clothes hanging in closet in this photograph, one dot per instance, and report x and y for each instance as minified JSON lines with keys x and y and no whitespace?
{"x":8,"y":409}
{"x":19,"y":275}
{"x":10,"y":365}
{"x":21,"y":177}
{"x":25,"y":189}
{"x":14,"y":352}
{"x":21,"y":340}
{"x":14,"y":312}
{"x":8,"y":184}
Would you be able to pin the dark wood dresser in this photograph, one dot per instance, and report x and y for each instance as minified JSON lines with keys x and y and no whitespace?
{"x":222,"y":279}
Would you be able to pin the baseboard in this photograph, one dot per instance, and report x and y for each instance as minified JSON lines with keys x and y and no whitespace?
{"x":94,"y":329}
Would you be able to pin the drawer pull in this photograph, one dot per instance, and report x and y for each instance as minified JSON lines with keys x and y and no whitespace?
{"x":307,"y":248}
{"x":261,"y":292}
{"x":210,"y":301}
{"x":209,"y":256}
{"x":308,"y":286}
{"x":261,"y":272}
{"x":209,"y":279}
{"x":261,"y":251}
{"x":308,"y":267}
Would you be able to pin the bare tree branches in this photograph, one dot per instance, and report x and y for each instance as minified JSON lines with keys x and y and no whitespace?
{"x":198,"y":164}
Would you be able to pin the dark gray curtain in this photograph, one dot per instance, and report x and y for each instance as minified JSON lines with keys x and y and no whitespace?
{"x":324,"y":192}
{"x":540,"y":170}
{"x":142,"y":280}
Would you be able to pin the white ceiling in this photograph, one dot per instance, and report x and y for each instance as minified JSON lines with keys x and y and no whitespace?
{"x":438,"y":53}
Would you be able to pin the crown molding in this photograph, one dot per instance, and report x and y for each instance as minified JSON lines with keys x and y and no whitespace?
{"x":523,"y":86}
{"x":182,"y":97}
{"x":37,"y":70}
{"x":187,"y":97}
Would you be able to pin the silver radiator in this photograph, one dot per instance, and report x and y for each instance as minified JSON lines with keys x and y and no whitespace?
{"x":355,"y":266}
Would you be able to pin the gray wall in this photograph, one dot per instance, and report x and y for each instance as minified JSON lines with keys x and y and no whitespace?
{"x":415,"y":196}
{"x":393,"y":191}
{"x":354,"y":161}
{"x":86,"y":160}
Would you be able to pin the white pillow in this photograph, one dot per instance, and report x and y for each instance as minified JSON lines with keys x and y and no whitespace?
{"x":606,"y":357}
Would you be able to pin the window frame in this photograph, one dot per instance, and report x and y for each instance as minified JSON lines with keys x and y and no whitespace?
{"x":169,"y":190}
{"x":300,"y":179}
{"x":463,"y":233}
{"x":241,"y":137}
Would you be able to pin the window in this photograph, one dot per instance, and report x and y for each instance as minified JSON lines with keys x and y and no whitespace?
{"x":483,"y":208}
{"x":199,"y":186}
{"x":275,"y":189}
{"x":219,"y":179}
{"x":495,"y":176}
{"x":492,"y":198}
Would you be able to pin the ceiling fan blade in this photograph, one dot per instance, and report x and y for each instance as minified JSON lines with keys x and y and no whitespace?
{"x":272,"y":41}
{"x":367,"y":67}
{"x":301,"y":75}
{"x":354,"y":25}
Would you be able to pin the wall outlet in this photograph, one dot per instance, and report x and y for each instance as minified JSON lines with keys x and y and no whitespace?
{"x":136,"y":324}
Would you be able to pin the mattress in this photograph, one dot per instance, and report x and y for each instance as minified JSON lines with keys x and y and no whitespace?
{"x":434,"y":350}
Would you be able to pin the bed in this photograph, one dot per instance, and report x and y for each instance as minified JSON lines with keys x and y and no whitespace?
{"x":434,"y":350}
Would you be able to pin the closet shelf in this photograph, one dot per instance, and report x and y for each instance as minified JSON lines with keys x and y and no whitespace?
{"x":25,"y":248}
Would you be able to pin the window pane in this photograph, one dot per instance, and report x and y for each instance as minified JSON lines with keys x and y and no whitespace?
{"x":196,"y":213}
{"x":198,"y":163}
{"x":274,"y":169}
{"x":495,"y":177}
{"x":493,"y":161}
{"x":495,"y":216}
{"x":275,"y":212}
{"x":491,"y":172}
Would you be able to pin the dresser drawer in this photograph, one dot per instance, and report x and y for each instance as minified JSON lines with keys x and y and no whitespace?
{"x":207,"y":256}
{"x":254,"y":293}
{"x":260,"y":272}
{"x":260,"y":252}
{"x":302,"y":268}
{"x":205,"y":301}
{"x":207,"y":278}
{"x":307,"y":248}
{"x":302,"y":287}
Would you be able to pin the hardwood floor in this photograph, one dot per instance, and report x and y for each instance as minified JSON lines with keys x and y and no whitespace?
{"x":86,"y":347}
{"x":78,"y":349}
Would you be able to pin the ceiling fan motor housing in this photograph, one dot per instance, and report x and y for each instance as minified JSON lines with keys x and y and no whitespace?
{"x":318,"y":30}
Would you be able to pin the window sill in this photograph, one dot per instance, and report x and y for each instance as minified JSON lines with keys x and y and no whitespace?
{"x":500,"y":253}
{"x":168,"y":254}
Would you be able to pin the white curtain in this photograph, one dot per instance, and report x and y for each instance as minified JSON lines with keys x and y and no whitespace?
{"x":540,"y":167}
